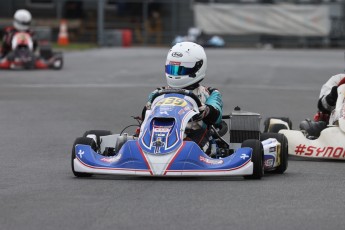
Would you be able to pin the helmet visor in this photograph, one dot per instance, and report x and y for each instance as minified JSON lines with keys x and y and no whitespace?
{"x":176,"y":70}
{"x":180,"y":69}
{"x":23,"y":23}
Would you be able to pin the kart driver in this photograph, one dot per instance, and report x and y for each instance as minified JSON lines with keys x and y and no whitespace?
{"x":21,"y":23}
{"x":326,"y":104}
{"x":185,"y":68}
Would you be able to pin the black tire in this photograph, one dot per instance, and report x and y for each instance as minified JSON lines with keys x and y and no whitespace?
{"x":267,"y":123}
{"x":98,"y":134}
{"x":60,"y":66}
{"x":58,"y":57}
{"x":82,"y":141}
{"x":257,"y":158}
{"x":284,"y":151}
{"x":30,"y":64}
{"x":276,"y":128}
{"x":46,"y":52}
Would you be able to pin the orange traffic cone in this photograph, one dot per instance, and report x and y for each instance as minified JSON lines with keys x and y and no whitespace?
{"x":63,"y":33}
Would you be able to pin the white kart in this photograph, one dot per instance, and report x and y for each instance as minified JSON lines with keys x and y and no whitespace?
{"x":329,"y":145}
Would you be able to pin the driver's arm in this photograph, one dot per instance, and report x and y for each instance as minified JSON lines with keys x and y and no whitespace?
{"x":6,"y":42}
{"x":154,"y":92}
{"x":214,"y":105}
{"x":143,"y":112}
{"x":327,"y":103}
{"x":210,"y":115}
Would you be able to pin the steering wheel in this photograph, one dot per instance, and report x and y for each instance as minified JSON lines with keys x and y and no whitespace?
{"x":178,"y":91}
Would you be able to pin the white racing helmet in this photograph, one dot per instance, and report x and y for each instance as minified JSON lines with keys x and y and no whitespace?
{"x":22,"y":20}
{"x":185,"y":65}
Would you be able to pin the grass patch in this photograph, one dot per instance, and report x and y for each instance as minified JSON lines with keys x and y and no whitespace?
{"x":75,"y":46}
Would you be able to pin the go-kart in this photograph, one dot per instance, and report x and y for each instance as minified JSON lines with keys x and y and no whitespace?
{"x":198,"y":36}
{"x":22,"y":55}
{"x":159,"y":147}
{"x":329,"y":144}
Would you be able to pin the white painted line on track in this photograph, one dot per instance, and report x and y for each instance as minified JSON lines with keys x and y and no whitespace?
{"x":124,"y":85}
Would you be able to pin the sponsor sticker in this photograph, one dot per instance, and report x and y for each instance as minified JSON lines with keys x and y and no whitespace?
{"x":174,"y":63}
{"x":81,"y":153}
{"x":272,"y":149}
{"x":211,"y":161}
{"x":326,"y":152}
{"x":164,"y":109}
{"x":111,"y":159}
{"x":244,"y":156}
{"x":164,"y":112}
{"x":158,"y":143}
{"x":161,"y":129}
{"x":177,"y":54}
{"x":182,"y":111}
{"x":269,"y":163}
{"x":186,"y":109}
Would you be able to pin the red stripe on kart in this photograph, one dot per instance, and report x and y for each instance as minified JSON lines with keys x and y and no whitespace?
{"x":5,"y":64}
{"x":143,"y":155}
{"x":173,"y":159}
{"x":41,"y":65}
{"x":116,"y":169}
{"x":210,"y":171}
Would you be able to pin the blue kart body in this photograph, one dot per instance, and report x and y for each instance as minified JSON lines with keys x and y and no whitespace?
{"x":160,"y":149}
{"x":188,"y":160}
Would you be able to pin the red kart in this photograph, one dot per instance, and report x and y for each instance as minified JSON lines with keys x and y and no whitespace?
{"x":23,"y":56}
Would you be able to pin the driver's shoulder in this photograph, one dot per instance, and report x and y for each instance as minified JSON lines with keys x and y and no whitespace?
{"x":160,"y":88}
{"x":336,"y":78}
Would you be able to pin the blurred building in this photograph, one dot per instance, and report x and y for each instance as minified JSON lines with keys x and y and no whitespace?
{"x":158,"y":22}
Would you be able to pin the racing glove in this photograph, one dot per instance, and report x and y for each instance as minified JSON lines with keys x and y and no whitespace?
{"x":207,"y":114}
{"x":203,"y":111}
{"x":320,"y":116}
{"x":326,"y":103}
{"x":332,"y":97}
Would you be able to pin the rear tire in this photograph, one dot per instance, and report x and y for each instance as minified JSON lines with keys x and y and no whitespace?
{"x":257,"y":158}
{"x":46,"y":52}
{"x":284,"y":151}
{"x":57,"y":64}
{"x":58,"y":61}
{"x":276,"y":127}
{"x":82,"y":141}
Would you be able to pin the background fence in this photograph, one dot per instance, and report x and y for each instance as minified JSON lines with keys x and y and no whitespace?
{"x":157,"y":22}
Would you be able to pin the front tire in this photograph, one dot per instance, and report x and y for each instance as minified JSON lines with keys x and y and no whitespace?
{"x":284,"y":151}
{"x":257,"y":158}
{"x":81,"y":141}
{"x":98,"y":134}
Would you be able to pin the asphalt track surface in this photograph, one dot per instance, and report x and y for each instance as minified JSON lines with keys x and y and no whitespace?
{"x":42,"y":112}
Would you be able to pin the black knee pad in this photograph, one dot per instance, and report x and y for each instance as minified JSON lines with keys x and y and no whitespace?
{"x":312,"y":128}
